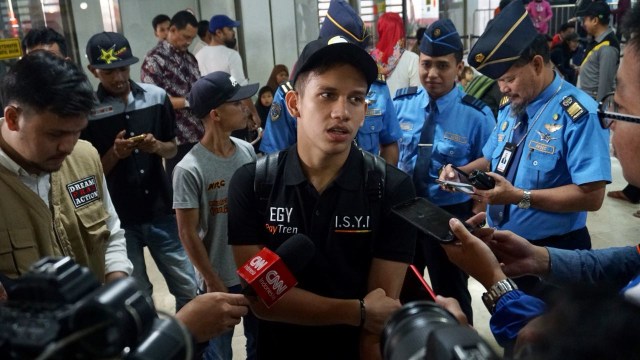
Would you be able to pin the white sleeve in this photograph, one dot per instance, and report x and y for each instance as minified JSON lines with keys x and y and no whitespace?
{"x":236,"y":70}
{"x":115,"y":258}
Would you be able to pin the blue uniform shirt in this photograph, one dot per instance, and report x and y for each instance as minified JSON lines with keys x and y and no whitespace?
{"x":380,"y":123}
{"x":565,"y":145}
{"x":460,"y":133}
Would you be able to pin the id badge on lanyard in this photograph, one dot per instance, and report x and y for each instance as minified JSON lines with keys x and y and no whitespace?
{"x":506,"y":159}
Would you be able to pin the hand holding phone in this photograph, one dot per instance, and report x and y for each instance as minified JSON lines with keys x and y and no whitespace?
{"x":138,"y":138}
{"x":456,"y":186}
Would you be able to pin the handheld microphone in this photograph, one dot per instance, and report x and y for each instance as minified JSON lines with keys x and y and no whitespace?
{"x":269,"y":275}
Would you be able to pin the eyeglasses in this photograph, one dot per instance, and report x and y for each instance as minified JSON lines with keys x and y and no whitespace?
{"x":608,"y":113}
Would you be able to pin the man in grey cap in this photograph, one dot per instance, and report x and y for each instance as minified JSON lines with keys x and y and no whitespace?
{"x":133,"y":129}
{"x":547,"y":154}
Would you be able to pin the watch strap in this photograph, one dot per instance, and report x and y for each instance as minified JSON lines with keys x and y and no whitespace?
{"x":495,"y":292}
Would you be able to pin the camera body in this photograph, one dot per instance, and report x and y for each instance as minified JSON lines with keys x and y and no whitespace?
{"x":60,"y":309}
{"x":480,"y":180}
{"x":424,"y":330}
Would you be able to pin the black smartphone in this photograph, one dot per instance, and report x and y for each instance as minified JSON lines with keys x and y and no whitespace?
{"x":428,"y":218}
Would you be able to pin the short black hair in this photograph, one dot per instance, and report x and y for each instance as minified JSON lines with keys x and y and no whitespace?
{"x":631,"y":27}
{"x":159,"y":19}
{"x":43,"y":82}
{"x":539,"y":46}
{"x":44,"y":36}
{"x":203,"y":28}
{"x":183,"y":18}
{"x":568,"y":25}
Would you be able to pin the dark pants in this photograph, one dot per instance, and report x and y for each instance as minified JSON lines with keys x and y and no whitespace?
{"x":632,"y":193}
{"x":446,"y":278}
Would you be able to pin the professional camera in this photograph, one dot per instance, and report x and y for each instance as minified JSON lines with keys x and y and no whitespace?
{"x":58,"y":310}
{"x":423,"y":330}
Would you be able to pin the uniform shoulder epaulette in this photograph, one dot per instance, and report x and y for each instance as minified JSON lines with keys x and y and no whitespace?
{"x":573,"y":107}
{"x":504,"y":102}
{"x":473,"y":102}
{"x":406,"y":91}
{"x":286,"y":87}
{"x":381,"y":78}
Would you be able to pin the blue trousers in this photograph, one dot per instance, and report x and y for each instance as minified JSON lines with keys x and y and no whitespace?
{"x":161,"y":237}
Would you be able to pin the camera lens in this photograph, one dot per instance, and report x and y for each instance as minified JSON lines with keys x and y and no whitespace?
{"x":405,"y":334}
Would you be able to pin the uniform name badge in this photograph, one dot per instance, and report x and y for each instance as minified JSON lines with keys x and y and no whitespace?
{"x":506,"y":158}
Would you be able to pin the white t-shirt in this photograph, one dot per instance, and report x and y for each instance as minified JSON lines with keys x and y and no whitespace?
{"x":221,"y":58}
{"x":405,"y":73}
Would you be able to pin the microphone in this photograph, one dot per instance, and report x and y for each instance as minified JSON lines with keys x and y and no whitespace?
{"x":269,"y":275}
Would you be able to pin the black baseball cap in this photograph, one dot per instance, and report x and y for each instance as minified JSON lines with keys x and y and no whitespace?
{"x":336,"y":48}
{"x":598,"y":9}
{"x":215,"y":89}
{"x":109,"y":50}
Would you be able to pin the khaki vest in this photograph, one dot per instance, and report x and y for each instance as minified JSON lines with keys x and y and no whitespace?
{"x":74,"y":224}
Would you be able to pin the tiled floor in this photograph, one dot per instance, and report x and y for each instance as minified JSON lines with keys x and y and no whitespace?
{"x":612,"y":225}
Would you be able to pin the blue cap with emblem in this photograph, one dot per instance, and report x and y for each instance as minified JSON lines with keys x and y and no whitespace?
{"x":504,"y":40}
{"x":441,"y":38}
{"x":342,"y":20}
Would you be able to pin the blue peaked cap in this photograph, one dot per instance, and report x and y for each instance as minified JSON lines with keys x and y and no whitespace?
{"x":342,"y":20}
{"x":441,"y":38}
{"x":507,"y":36}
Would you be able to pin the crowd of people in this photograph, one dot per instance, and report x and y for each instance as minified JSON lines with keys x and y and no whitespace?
{"x":179,"y":163}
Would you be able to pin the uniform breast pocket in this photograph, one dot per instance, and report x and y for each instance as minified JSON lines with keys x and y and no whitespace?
{"x":93,"y":221}
{"x":451,"y":152}
{"x":539,"y":167}
{"x":18,"y":250}
{"x":368,"y":137}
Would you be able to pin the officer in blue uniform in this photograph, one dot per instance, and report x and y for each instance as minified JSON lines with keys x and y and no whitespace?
{"x":441,"y":125}
{"x":548,"y":155}
{"x":379,"y":133}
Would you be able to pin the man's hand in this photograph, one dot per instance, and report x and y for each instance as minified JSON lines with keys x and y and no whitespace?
{"x":518,"y":256}
{"x":149,"y":144}
{"x":453,"y":306}
{"x":448,"y":174}
{"x":379,"y":308}
{"x":114,"y":275}
{"x":503,"y":193}
{"x":211,"y":314}
{"x":473,"y":256}
{"x":122,"y":147}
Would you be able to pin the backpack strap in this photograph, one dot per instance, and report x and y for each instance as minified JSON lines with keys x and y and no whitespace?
{"x":266,"y":169}
{"x":375,"y":174}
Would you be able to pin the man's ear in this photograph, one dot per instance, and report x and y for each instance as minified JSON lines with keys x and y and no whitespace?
{"x":93,"y":71}
{"x":538,"y":64}
{"x":11,"y":118}
{"x":292,"y":100}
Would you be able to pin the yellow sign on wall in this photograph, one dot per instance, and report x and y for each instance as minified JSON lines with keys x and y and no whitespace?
{"x":10,"y":48}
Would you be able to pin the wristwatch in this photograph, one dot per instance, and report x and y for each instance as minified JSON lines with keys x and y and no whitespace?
{"x":491,"y":297}
{"x":525,"y":203}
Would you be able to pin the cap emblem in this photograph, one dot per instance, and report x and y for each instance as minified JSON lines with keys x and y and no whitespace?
{"x":436,"y":32}
{"x":337,"y":40}
{"x":479,"y":57}
{"x":108,"y":56}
